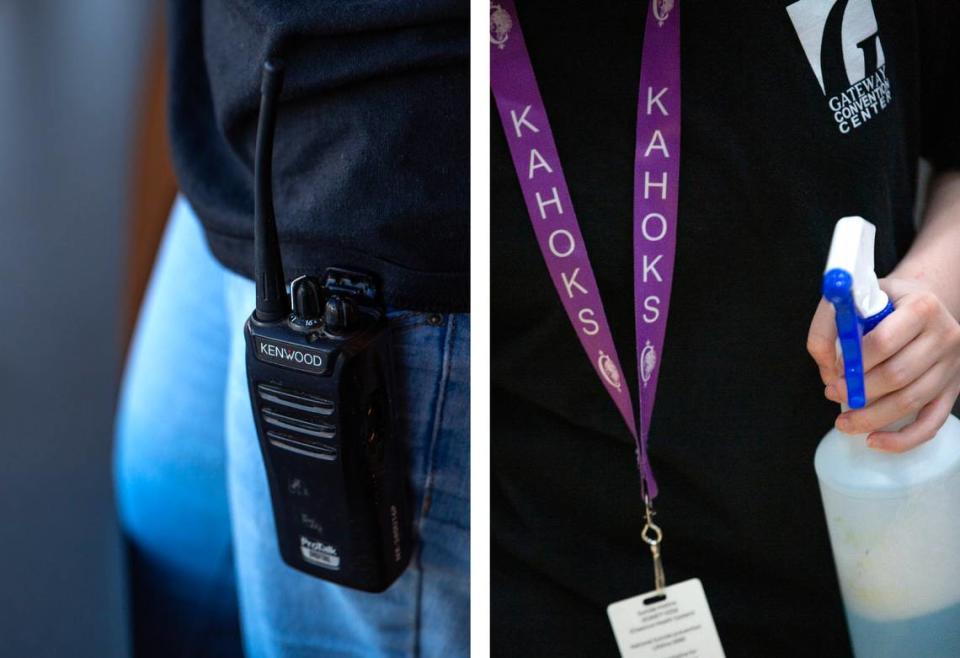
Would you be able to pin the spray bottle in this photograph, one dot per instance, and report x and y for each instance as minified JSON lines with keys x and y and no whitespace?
{"x":894,"y":519}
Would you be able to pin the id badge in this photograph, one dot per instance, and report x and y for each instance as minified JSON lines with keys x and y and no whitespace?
{"x":673,"y":623}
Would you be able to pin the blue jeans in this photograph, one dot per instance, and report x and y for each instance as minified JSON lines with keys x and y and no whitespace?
{"x":193,"y":496}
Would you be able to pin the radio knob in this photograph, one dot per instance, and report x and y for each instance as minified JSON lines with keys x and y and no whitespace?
{"x":306,"y":299}
{"x":339,"y":314}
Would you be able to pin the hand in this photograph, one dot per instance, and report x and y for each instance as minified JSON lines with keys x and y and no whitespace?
{"x":911,"y":365}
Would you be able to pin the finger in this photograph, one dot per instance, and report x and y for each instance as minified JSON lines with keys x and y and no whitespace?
{"x":895,"y":332}
{"x":880,"y":413}
{"x":829,"y":375}
{"x":904,"y":367}
{"x":822,"y":339}
{"x":899,"y":371}
{"x":929,"y":421}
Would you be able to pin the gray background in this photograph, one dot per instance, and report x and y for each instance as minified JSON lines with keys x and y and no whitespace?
{"x":69,"y":73}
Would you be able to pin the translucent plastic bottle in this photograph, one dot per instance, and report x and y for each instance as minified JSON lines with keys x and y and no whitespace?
{"x":894,"y":519}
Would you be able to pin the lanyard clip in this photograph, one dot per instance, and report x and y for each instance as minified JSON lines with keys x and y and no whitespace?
{"x":652,"y":535}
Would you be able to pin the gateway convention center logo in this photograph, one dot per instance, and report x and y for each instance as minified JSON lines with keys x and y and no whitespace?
{"x":842,"y":43}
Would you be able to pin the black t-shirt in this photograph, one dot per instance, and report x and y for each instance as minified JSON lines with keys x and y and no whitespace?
{"x":777,"y":144}
{"x":371,"y":156}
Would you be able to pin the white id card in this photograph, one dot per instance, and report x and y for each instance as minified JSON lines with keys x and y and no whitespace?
{"x":675,"y":624}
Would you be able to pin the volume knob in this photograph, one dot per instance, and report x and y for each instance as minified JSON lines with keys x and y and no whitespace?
{"x":339,"y":314}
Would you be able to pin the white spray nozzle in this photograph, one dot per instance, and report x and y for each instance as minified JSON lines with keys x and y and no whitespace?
{"x":852,"y":251}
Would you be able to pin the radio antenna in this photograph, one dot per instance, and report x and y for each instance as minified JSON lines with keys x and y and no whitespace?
{"x":272,"y":302}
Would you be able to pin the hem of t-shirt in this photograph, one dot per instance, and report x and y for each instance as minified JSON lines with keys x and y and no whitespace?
{"x":402,"y":287}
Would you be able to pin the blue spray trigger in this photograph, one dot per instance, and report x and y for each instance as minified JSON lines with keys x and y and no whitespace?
{"x":851,"y":328}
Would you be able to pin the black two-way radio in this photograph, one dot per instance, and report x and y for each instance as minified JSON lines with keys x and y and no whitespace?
{"x":321,"y":386}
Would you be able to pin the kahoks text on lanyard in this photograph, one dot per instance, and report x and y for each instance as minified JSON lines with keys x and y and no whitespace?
{"x":554,"y":220}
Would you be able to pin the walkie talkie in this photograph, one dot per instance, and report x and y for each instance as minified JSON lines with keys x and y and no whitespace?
{"x":321,"y":385}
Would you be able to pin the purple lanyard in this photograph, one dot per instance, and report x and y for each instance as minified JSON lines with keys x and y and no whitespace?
{"x":656,"y":178}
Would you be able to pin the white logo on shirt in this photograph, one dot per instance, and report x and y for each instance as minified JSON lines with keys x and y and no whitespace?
{"x":841,"y":40}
